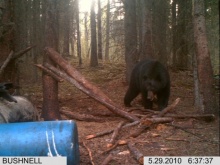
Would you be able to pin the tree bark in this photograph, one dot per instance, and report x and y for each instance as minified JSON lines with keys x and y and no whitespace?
{"x":174,"y":37}
{"x":205,"y":72}
{"x":130,"y":36}
{"x":79,"y":54}
{"x":147,"y":50}
{"x":107,"y":31}
{"x":99,"y":19}
{"x":136,"y":153}
{"x":66,"y":27}
{"x":159,"y":30}
{"x":50,"y":108}
{"x":86,"y":34}
{"x":94,"y":58}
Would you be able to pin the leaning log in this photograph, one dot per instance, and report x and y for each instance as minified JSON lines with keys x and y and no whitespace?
{"x":21,"y":52}
{"x":49,"y":72}
{"x":85,"y":86}
{"x":6,"y":62}
{"x":13,"y":56}
{"x":21,"y":111}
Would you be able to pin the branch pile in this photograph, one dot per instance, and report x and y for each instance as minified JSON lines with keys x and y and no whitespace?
{"x":145,"y":123}
{"x":70,"y":74}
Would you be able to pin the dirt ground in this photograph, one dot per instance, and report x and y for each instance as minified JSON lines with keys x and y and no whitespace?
{"x":196,"y":138}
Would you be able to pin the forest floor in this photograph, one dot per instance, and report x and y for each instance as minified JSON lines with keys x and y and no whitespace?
{"x":196,"y":138}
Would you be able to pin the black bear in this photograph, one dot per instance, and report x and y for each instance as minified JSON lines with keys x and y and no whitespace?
{"x":151,"y":79}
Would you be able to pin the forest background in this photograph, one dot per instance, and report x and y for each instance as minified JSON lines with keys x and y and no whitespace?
{"x":104,"y":39}
{"x":95,"y":33}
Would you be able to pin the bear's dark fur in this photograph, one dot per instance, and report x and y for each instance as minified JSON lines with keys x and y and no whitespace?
{"x":150,"y":78}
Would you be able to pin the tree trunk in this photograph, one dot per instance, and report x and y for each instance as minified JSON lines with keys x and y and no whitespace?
{"x":94,"y":58}
{"x":174,"y":37}
{"x":197,"y":97}
{"x":147,"y":50}
{"x":78,"y":34}
{"x":86,"y":34}
{"x":205,"y":73}
{"x":50,"y":109}
{"x":130,"y":36}
{"x":140,"y":27}
{"x":36,"y":34}
{"x":66,"y":27}
{"x":99,"y":19}
{"x":107,"y":31}
{"x":159,"y":30}
{"x":181,"y":51}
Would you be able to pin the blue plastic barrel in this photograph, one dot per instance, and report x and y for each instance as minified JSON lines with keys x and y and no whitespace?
{"x":46,"y":138}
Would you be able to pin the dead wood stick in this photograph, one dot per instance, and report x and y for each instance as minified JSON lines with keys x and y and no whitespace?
{"x":80,"y":117}
{"x":149,"y":121}
{"x":90,"y":153}
{"x":98,"y":134}
{"x":176,"y":139}
{"x":110,"y":131}
{"x":55,"y":76}
{"x":206,"y":117}
{"x":138,"y":131}
{"x":6,"y":62}
{"x":119,"y":142}
{"x":195,"y":134}
{"x":142,"y":109}
{"x":107,"y":159}
{"x":115,"y":134}
{"x":20,"y":53}
{"x":13,"y":56}
{"x":136,"y":153}
{"x":169,"y":108}
{"x":82,"y":84}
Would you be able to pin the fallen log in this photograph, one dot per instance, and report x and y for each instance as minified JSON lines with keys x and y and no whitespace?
{"x":136,"y":153}
{"x":107,"y":159}
{"x":76,"y":78}
{"x":156,"y":120}
{"x":138,"y":131}
{"x":21,"y":111}
{"x":206,"y":117}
